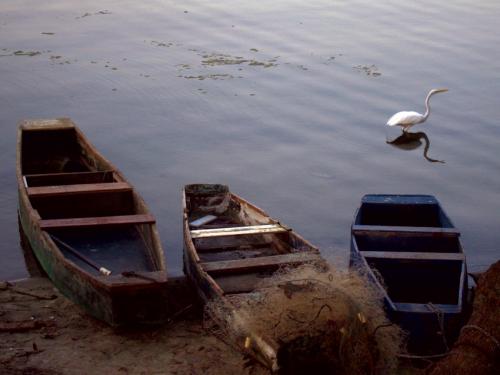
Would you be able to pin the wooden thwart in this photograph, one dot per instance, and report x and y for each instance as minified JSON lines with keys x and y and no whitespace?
{"x":46,"y":191}
{"x":208,"y":246}
{"x":412,"y":255}
{"x":249,"y":264}
{"x":97,"y":221}
{"x":425,"y":308}
{"x":68,"y":178}
{"x":238,"y":231}
{"x":49,"y":124}
{"x":360,"y":229}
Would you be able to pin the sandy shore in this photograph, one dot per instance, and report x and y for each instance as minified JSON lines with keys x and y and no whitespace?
{"x":41,"y":332}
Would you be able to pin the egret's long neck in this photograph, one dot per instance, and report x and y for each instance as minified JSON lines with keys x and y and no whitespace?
{"x":427,"y":106}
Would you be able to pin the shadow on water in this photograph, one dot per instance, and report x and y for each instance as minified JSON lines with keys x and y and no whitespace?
{"x":410,"y":141}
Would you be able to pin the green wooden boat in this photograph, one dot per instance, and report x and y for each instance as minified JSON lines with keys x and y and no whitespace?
{"x":90,"y":231}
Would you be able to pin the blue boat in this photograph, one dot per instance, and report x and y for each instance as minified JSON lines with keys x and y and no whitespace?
{"x":411,"y":251}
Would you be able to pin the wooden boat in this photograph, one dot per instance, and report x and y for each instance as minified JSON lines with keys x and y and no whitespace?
{"x":411,"y":251}
{"x":229,"y":256}
{"x":91,"y":232}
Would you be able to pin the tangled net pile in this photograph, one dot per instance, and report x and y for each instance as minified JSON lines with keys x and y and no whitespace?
{"x":322,"y":320}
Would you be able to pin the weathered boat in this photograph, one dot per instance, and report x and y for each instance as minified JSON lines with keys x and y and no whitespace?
{"x":90,"y":231}
{"x":411,"y":251}
{"x":230,"y":246}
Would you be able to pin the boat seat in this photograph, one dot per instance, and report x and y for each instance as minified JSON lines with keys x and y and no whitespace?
{"x":239,"y":231}
{"x":435,"y":231}
{"x":97,"y":221}
{"x":424,"y":308}
{"x":252,"y":264}
{"x":58,"y":190}
{"x":68,"y":178}
{"x":412,"y":255}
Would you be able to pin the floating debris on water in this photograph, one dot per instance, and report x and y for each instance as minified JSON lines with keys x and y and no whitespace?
{"x":331,"y":59}
{"x":209,"y":76}
{"x":47,"y":33}
{"x":209,"y":60}
{"x":259,"y":63}
{"x":221,"y":59}
{"x":27,"y":53}
{"x":254,"y":50}
{"x":216,"y":59}
{"x":101,"y":12}
{"x":369,"y":70}
{"x":84,"y":15}
{"x":161,"y":44}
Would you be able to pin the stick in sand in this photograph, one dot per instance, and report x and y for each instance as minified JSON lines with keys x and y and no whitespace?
{"x":75,"y":252}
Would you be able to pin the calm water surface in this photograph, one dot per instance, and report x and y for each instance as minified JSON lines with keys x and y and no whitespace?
{"x":285,"y":101}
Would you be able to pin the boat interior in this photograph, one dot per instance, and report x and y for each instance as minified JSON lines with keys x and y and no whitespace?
{"x":237,"y":244}
{"x":409,"y":211}
{"x":82,"y":201}
{"x":420,"y":281}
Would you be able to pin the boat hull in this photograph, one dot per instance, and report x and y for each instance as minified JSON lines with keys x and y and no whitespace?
{"x":116,"y":299}
{"x":419,"y":268}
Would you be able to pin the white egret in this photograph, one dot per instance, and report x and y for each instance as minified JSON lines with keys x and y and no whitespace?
{"x":406,"y":119}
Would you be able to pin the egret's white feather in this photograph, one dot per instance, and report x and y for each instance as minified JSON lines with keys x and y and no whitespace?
{"x":405,"y":118}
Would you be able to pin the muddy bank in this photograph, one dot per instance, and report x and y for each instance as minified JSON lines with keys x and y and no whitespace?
{"x":41,"y":332}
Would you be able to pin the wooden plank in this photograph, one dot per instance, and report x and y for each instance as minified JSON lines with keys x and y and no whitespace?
{"x":68,"y":178}
{"x":239,"y":231}
{"x":47,"y":191}
{"x":366,"y":229}
{"x":204,"y":245}
{"x":97,"y":221}
{"x":426,"y":308}
{"x":240,"y":283}
{"x":51,"y":124}
{"x":236,"y":254}
{"x":412,"y":255}
{"x":252,"y":264}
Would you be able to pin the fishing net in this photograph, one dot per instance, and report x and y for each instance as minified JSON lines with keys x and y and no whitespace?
{"x":320,"y":320}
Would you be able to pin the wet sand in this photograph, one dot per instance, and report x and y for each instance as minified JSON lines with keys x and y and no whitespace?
{"x":41,"y":332}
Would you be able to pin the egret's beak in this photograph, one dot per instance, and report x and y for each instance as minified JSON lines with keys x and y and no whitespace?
{"x":441,"y":90}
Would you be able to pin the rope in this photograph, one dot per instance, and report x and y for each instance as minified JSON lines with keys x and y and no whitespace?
{"x":483,"y":331}
{"x":381,"y":326}
{"x":440,"y":318}
{"x":414,"y":356}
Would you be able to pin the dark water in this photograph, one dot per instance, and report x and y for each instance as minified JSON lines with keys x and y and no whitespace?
{"x":285,"y":101}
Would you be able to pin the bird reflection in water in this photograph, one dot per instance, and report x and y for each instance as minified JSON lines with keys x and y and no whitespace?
{"x":411,"y":141}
